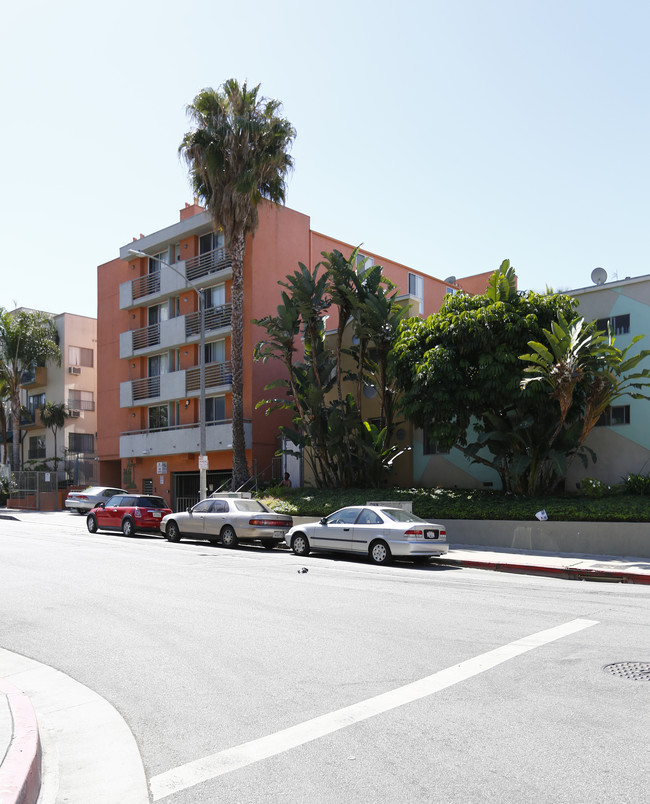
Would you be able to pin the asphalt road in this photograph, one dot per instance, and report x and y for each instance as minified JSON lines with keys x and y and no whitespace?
{"x":204,"y":650}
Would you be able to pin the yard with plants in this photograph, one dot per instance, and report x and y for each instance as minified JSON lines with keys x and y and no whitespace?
{"x":595,"y":502}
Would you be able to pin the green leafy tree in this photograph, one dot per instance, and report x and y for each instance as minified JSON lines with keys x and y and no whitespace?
{"x":237,"y":153}
{"x":578,"y":356}
{"x":4,"y":401}
{"x":341,"y":448}
{"x":27,"y":339}
{"x":460,"y":375}
{"x":53,"y":416}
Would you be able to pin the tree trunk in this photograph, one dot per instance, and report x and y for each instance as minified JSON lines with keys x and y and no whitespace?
{"x":239,"y":466}
{"x":15,"y":415}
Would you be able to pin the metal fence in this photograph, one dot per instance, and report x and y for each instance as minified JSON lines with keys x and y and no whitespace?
{"x":33,"y":490}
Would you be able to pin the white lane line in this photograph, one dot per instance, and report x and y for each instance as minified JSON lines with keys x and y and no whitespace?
{"x":200,"y":770}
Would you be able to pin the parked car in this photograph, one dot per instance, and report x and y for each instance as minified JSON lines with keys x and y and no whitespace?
{"x":380,"y":532}
{"x":228,"y":519}
{"x":86,"y":500}
{"x":130,"y":513}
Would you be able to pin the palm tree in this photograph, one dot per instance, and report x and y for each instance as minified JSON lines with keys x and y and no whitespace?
{"x":53,"y":416}
{"x":4,"y":399}
{"x":237,"y":154}
{"x":28,"y":338}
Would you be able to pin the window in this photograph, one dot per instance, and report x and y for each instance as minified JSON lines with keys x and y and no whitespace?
{"x":34,"y":403}
{"x":36,"y":447}
{"x":210,"y":242}
{"x":214,"y":297}
{"x":158,"y":417}
{"x":416,"y":289}
{"x":81,"y":442}
{"x":429,"y":446}
{"x":620,"y":324}
{"x":215,"y":352}
{"x":158,"y":364}
{"x":369,"y":262}
{"x":215,"y":408}
{"x":81,"y":400}
{"x":347,"y":516}
{"x":80,"y":356}
{"x":614,"y":416}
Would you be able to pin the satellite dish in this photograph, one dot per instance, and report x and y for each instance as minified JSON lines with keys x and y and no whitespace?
{"x":450,"y":280}
{"x":599,"y":276}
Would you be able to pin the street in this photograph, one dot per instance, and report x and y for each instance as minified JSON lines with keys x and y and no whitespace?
{"x":204,"y":650}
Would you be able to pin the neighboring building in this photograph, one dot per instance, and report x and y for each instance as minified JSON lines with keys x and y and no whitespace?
{"x":621,"y":440}
{"x":148,"y":386}
{"x":75,"y":384}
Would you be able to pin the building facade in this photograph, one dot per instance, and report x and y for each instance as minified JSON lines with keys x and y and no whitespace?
{"x":74,"y":383}
{"x":148,"y":347}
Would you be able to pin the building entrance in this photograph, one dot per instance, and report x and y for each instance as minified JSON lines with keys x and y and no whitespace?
{"x":186,"y":487}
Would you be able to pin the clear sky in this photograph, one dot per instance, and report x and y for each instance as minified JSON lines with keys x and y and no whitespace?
{"x":447,"y":136}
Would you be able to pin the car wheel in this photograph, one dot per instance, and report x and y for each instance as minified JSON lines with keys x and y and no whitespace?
{"x":128,"y":528}
{"x":229,"y":537}
{"x":91,"y":524}
{"x":379,"y":553}
{"x":300,"y":544}
{"x":269,"y":544}
{"x":172,"y":533}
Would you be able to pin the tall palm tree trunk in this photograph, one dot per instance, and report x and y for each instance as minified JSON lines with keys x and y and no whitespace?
{"x":239,"y":465}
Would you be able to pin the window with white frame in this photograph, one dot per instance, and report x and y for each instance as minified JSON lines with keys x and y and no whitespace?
{"x":158,"y":417}
{"x":215,"y":352}
{"x":80,"y":356}
{"x":416,"y":289}
{"x":36,"y":447}
{"x":81,"y":400}
{"x":215,"y":408}
{"x":614,"y":416}
{"x":81,"y":442}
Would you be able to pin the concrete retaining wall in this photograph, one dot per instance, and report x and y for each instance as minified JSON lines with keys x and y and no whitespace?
{"x":585,"y":538}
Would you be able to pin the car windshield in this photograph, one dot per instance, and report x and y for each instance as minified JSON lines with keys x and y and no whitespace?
{"x":400,"y":515}
{"x":248,"y":505}
{"x":152,"y":502}
{"x":92,"y":490}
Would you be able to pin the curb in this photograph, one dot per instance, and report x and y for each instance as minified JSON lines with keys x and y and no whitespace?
{"x":568,"y":573}
{"x":20,"y":771}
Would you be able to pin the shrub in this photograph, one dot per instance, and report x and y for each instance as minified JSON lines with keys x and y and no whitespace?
{"x":636,"y":484}
{"x":591,"y":487}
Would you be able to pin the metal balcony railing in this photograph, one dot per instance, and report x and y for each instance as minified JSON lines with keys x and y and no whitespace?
{"x":146,"y":285}
{"x":208,"y":263}
{"x":81,"y":404}
{"x":215,"y":374}
{"x":215,"y":318}
{"x":146,"y":388}
{"x":147,"y":336}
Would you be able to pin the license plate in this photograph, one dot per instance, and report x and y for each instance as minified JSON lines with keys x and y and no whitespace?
{"x":277,"y":534}
{"x":157,"y":515}
{"x":430,"y":534}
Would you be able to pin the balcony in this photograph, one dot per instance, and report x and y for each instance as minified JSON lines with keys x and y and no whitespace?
{"x":34,"y":376}
{"x":184,"y":439}
{"x":166,"y":282}
{"x":175,"y":385}
{"x":173,"y":332}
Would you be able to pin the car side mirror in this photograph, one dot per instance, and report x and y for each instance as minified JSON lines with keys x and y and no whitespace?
{"x":323,"y":521}
{"x":101,"y":505}
{"x":189,"y":509}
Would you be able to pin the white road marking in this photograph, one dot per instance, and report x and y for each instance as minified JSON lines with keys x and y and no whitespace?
{"x":200,"y":770}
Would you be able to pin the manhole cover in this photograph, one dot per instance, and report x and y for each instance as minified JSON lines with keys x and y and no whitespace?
{"x":637,"y":671}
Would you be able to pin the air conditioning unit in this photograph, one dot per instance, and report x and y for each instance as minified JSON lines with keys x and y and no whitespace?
{"x":74,"y":370}
{"x":74,"y":414}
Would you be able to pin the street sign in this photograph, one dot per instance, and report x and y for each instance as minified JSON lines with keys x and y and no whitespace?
{"x":203,"y":462}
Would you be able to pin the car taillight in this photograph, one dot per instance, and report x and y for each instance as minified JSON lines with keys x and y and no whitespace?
{"x":137,"y":512}
{"x":80,"y":497}
{"x":443,"y":532}
{"x":414,"y":532}
{"x":269,"y":523}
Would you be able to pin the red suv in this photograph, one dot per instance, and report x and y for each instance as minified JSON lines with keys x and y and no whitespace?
{"x":130,"y":513}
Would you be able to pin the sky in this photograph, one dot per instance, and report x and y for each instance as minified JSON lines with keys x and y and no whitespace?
{"x":447,"y":136}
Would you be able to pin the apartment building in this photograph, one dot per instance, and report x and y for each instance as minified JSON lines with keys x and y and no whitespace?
{"x":148,"y":346}
{"x":74,"y":383}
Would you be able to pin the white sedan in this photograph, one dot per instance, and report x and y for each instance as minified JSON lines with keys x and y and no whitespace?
{"x":377,"y":531}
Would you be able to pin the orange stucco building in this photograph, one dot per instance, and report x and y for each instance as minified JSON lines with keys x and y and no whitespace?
{"x":148,"y":346}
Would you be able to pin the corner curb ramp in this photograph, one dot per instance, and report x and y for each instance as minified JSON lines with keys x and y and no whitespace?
{"x":20,"y":770}
{"x":567,"y":573}
{"x":89,"y":753}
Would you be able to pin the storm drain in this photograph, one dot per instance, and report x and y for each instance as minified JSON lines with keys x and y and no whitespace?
{"x":636,"y":671}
